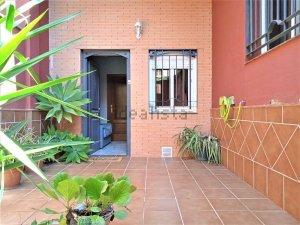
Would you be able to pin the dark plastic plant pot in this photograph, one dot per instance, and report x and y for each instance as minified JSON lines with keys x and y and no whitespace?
{"x":107,"y":215}
{"x":202,"y":156}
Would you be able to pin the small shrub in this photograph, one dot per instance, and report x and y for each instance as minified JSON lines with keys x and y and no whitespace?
{"x":73,"y":153}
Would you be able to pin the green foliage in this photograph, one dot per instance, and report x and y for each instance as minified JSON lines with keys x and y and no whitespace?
{"x":212,"y":148}
{"x":202,"y":147}
{"x":10,"y":41}
{"x":190,"y":140}
{"x":91,"y":220}
{"x":74,"y":153}
{"x":68,"y":92}
{"x":25,"y":137}
{"x":68,"y":189}
{"x":100,"y":193}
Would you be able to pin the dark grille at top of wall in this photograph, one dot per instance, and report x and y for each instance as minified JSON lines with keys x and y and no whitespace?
{"x":270,"y":23}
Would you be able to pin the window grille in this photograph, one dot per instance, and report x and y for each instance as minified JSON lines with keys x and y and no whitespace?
{"x":270,"y":23}
{"x":172,"y":80}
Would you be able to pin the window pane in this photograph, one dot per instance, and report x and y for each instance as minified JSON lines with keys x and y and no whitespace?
{"x":162,"y":88}
{"x":181,"y":87}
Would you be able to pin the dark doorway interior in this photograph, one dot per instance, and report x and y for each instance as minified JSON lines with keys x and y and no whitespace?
{"x":107,"y":88}
{"x":117,"y":105}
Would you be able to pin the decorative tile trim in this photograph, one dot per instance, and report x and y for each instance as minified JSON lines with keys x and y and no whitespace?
{"x":262,"y":136}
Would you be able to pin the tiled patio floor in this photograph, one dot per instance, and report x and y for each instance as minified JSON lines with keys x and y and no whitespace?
{"x":170,"y":192}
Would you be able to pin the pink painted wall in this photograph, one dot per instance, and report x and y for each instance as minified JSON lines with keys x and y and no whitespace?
{"x":275,"y":75}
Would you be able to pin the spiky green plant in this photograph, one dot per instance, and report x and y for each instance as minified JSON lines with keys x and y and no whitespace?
{"x":190,"y":140}
{"x":212,"y":148}
{"x":69,"y":92}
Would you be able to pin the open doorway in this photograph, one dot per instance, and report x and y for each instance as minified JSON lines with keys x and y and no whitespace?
{"x":107,"y":87}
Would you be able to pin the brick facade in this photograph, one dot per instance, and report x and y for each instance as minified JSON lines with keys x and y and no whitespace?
{"x":167,"y":25}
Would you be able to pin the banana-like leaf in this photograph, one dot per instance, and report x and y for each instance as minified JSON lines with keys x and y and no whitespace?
{"x":51,"y":25}
{"x":34,"y":89}
{"x":19,"y":154}
{"x":7,"y":49}
{"x":10,"y":17}
{"x":24,"y":66}
{"x":30,"y":70}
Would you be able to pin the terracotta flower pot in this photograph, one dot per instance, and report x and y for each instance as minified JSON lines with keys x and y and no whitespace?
{"x":12,"y":178}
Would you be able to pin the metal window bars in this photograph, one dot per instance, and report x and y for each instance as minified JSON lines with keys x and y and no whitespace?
{"x":178,"y":94}
{"x":290,"y":24}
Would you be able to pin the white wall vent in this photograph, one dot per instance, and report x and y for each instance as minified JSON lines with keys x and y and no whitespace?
{"x":166,"y":151}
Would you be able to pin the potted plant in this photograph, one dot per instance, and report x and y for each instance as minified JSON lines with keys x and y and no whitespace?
{"x":88,"y":200}
{"x":190,"y":141}
{"x":13,"y":175}
{"x":212,"y":148}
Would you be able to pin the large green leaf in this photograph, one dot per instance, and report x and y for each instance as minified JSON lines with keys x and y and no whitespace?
{"x":10,"y":17}
{"x":5,"y":75}
{"x":19,"y":154}
{"x":34,"y":89}
{"x":7,"y":49}
{"x":69,"y":189}
{"x":51,"y":25}
{"x":120,"y":193}
{"x":60,"y":177}
{"x":94,"y":188}
{"x":120,"y":214}
{"x":48,"y":191}
{"x":31,"y":71}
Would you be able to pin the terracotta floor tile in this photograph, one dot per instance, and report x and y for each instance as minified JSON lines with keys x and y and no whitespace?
{"x":235,"y":184}
{"x":26,"y":205}
{"x":217,"y":193}
{"x":159,"y":193}
{"x":227,"y":204}
{"x":260,"y":204}
{"x":133,"y":218}
{"x":192,"y":193}
{"x":247,"y":193}
{"x":276,"y":217}
{"x":186,"y":204}
{"x":238,"y":218}
{"x":162,"y":218}
{"x":198,"y":217}
{"x":160,"y":205}
{"x":14,"y":218}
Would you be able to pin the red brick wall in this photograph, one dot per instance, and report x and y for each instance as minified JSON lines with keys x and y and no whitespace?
{"x":275,"y":75}
{"x":172,"y":24}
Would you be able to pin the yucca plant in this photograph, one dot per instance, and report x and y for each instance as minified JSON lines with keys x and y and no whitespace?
{"x":10,"y":18}
{"x":190,"y":141}
{"x":69,"y":92}
{"x":212,"y":148}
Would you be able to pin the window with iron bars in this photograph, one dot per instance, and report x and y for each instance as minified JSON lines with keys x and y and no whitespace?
{"x":173,"y":81}
{"x":270,"y":23}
